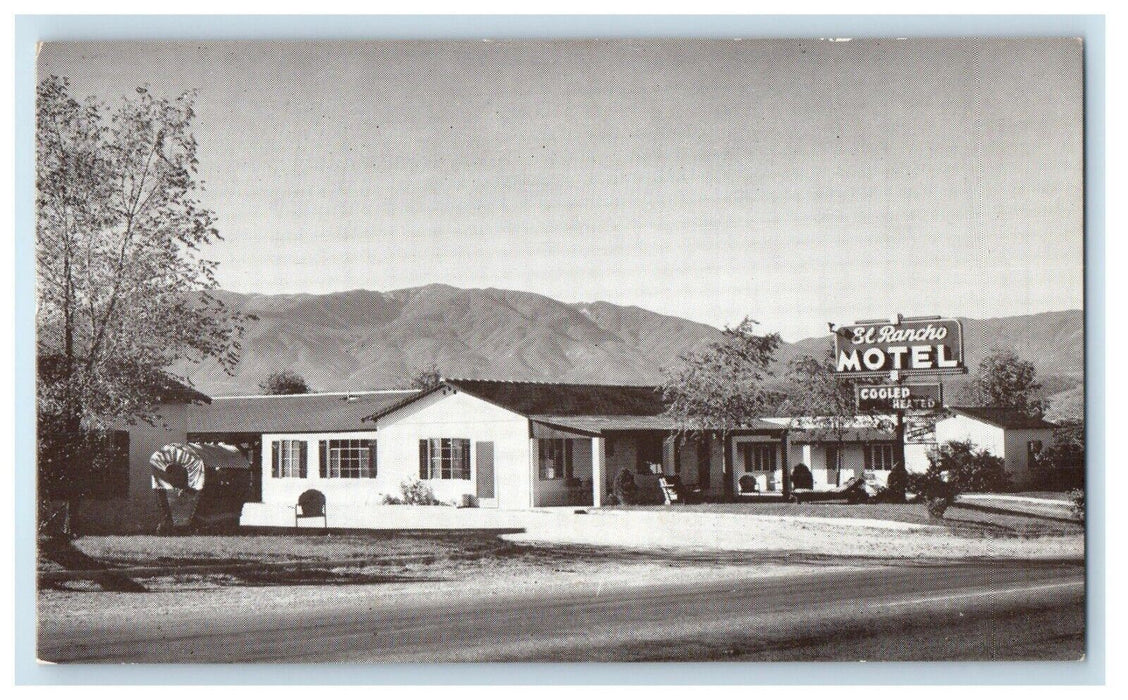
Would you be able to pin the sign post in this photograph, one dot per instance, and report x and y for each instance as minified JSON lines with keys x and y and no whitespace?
{"x":907,"y":347}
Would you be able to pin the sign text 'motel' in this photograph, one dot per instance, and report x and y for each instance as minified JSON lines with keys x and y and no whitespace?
{"x":910,"y":347}
{"x":898,"y":397}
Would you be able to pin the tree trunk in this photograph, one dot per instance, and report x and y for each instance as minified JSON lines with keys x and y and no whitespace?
{"x":726,"y":465}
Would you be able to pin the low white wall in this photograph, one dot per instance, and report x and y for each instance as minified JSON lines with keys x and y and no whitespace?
{"x":382,"y":517}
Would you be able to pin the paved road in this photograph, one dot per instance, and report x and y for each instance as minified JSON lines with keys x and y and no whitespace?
{"x":979,"y":610}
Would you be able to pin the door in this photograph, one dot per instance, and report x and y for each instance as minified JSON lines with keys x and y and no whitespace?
{"x":484,"y":458}
{"x":649,"y":452}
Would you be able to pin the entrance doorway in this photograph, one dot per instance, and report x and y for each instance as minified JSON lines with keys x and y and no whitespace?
{"x":649,"y":452}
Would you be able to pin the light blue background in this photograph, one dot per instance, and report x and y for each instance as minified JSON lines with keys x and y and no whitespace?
{"x":31,"y":29}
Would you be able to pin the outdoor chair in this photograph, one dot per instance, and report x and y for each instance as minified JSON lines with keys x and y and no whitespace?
{"x":311,"y":504}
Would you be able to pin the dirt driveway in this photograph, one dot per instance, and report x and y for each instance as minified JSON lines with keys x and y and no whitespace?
{"x":788,"y":530}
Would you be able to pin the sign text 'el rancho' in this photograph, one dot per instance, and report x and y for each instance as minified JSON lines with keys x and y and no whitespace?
{"x":910,"y":347}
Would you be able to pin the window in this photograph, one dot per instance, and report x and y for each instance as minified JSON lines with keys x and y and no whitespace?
{"x":833,"y":458}
{"x":879,"y":457}
{"x":555,"y":459}
{"x":444,"y":458}
{"x":1033,"y":448}
{"x":288,"y":459}
{"x":759,"y":456}
{"x":348,"y":459}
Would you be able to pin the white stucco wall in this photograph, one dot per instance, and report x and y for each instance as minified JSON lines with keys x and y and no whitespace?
{"x":1017,"y":453}
{"x":1010,"y":444}
{"x":441,"y":415}
{"x":556,"y":492}
{"x":959,"y":428}
{"x":339,"y":493}
{"x":458,"y":415}
{"x":767,"y":481}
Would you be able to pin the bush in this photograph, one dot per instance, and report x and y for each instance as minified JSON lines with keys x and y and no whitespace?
{"x":632,"y":489}
{"x":624,"y":488}
{"x":1078,"y":498}
{"x":932,"y":488}
{"x":896,"y":485}
{"x":801,"y":477}
{"x":937,"y":506}
{"x":964,"y":468}
{"x":414,"y":493}
{"x":1061,"y":465}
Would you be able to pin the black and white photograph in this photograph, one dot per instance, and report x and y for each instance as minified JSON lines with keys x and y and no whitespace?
{"x":732,"y":349}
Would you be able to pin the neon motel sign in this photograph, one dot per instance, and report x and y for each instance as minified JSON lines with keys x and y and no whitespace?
{"x":910,"y":347}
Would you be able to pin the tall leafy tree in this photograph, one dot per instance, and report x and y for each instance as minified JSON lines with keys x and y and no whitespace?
{"x":122,"y":289}
{"x":721,"y":389}
{"x":819,"y":401}
{"x":1004,"y":380}
{"x":284,"y":382}
{"x":427,"y":377}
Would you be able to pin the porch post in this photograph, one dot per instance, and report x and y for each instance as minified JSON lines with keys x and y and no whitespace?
{"x":534,"y":470}
{"x":598,"y":468}
{"x":786,"y":467}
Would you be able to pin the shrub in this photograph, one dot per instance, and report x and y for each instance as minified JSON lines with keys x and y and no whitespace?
{"x":624,"y":488}
{"x":966,"y":468}
{"x":937,"y":506}
{"x":933,"y":488}
{"x":390,"y":500}
{"x":1061,"y":465}
{"x":896,"y":485}
{"x":801,"y":477}
{"x":638,"y":489}
{"x":1078,"y":508}
{"x":417,"y":493}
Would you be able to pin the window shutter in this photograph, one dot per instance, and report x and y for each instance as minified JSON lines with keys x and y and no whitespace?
{"x":867,"y":452}
{"x":465,"y":459}
{"x":323,"y":462}
{"x":274,"y":470}
{"x":372,"y":459}
{"x":422,"y":459}
{"x":303,"y":451}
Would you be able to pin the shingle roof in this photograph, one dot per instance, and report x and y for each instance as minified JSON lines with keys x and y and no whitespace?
{"x":1003,"y":417}
{"x":590,"y":408}
{"x":543,"y":398}
{"x":601,"y":424}
{"x":824,"y":435}
{"x":295,"y":413}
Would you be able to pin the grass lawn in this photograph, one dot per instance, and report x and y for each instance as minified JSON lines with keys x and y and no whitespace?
{"x":960,"y":519}
{"x":151,"y":550}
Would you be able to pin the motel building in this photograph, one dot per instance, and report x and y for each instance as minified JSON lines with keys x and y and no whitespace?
{"x":490,"y":446}
{"x":483,"y":445}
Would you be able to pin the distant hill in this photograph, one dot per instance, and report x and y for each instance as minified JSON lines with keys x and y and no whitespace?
{"x":366,"y":339}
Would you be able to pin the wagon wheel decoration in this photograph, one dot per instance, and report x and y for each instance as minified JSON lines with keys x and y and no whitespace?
{"x":177,"y":467}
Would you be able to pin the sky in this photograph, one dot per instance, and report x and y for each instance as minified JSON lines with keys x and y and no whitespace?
{"x":793,"y":182}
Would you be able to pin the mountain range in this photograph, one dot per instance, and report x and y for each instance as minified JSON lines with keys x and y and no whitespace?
{"x":367,"y":339}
